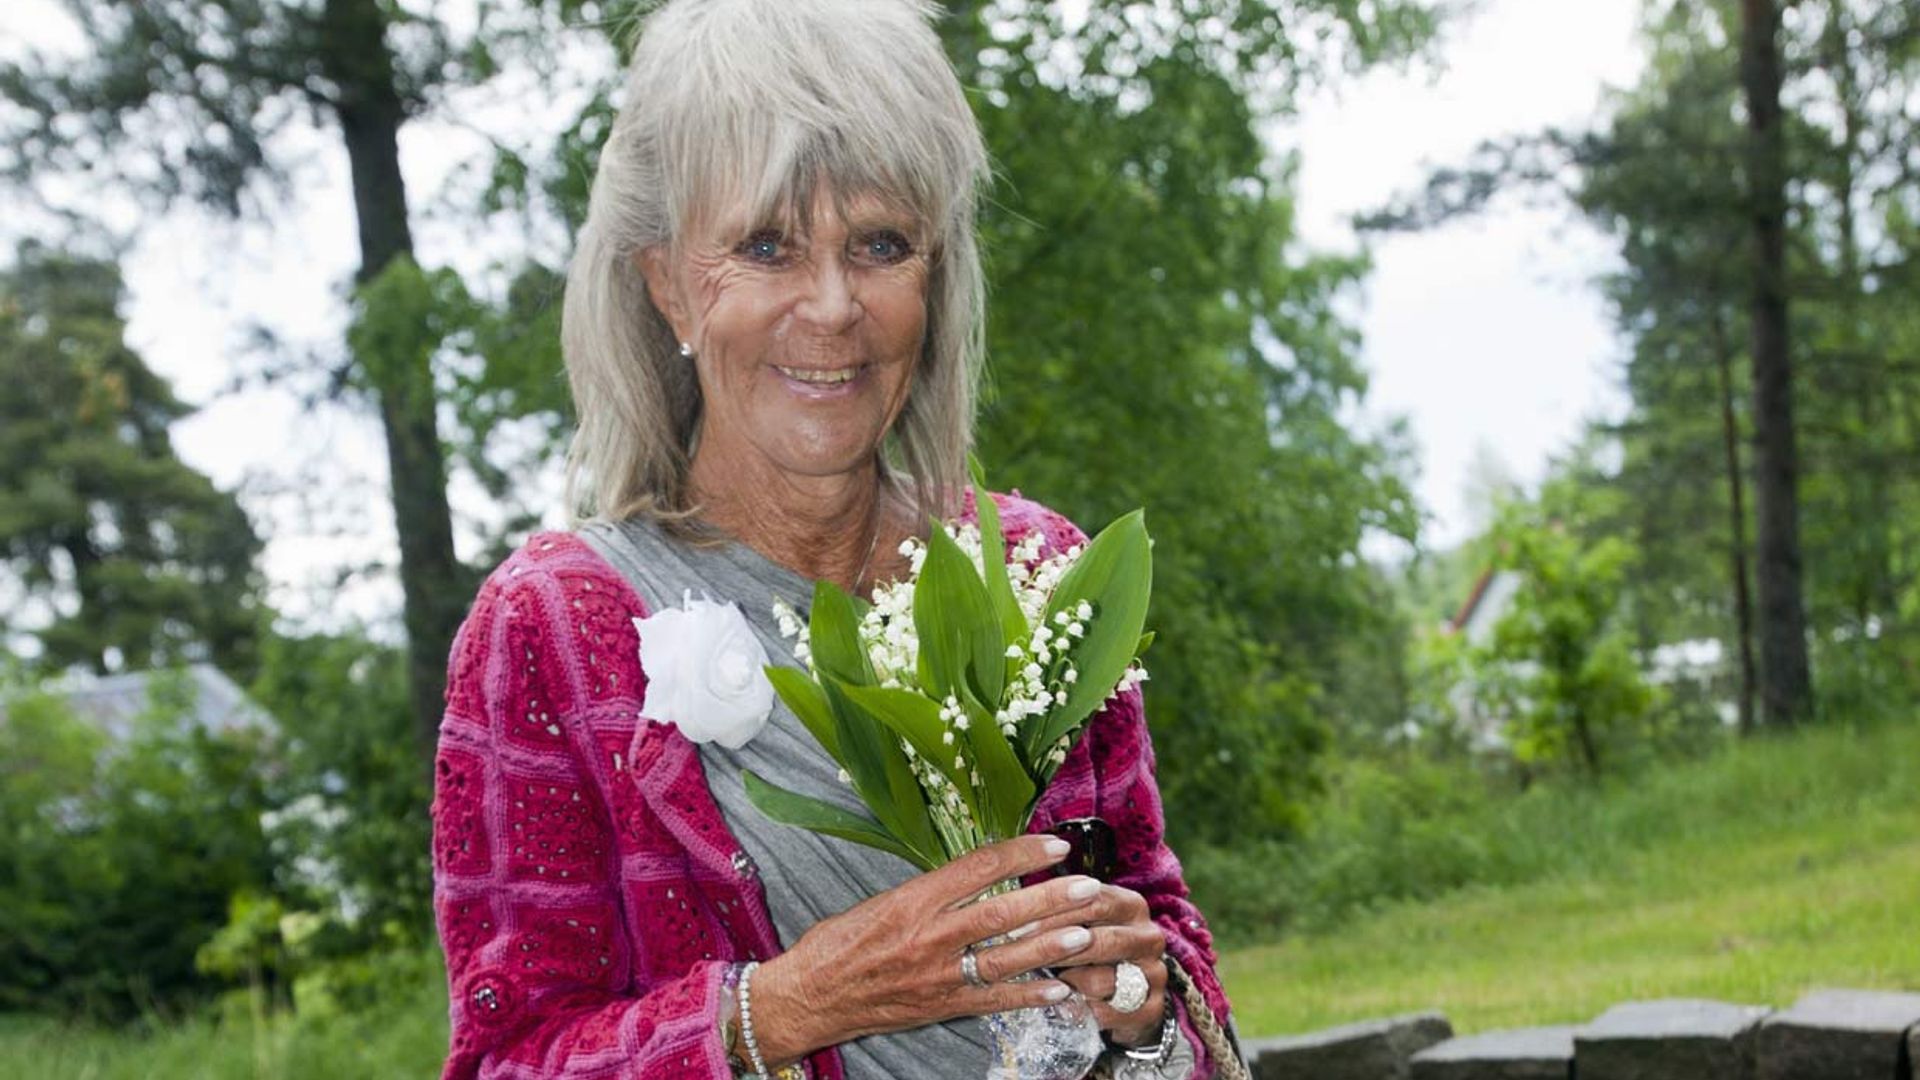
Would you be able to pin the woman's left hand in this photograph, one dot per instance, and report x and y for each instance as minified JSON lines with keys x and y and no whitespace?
{"x":1122,"y":930}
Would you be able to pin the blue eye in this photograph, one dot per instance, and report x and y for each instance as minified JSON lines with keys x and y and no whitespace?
{"x":887,"y":247}
{"x":763,"y":246}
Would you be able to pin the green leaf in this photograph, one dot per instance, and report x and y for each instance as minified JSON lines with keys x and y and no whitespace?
{"x":916,"y":718}
{"x":960,"y":641}
{"x":1146,"y":642}
{"x":1115,"y":575}
{"x":809,"y":703}
{"x":879,"y":769}
{"x":1013,"y":623}
{"x":834,"y":636}
{"x":806,"y":812}
{"x":1006,"y":780}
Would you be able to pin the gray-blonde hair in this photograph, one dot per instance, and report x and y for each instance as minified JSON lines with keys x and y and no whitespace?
{"x":756,"y":102}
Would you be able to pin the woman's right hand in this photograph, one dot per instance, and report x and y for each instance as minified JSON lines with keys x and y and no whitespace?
{"x":892,"y":962}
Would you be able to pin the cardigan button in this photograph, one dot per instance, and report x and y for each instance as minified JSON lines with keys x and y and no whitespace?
{"x":743,"y":864}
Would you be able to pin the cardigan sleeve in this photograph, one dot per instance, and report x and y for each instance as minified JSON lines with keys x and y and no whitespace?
{"x":1127,"y":797}
{"x":540,"y":970}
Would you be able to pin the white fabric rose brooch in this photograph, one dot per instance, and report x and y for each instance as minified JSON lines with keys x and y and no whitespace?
{"x":706,"y":672}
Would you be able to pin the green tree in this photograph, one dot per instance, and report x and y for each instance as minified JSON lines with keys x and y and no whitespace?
{"x":1560,"y":666}
{"x":126,"y":557}
{"x":188,"y":98}
{"x":1160,"y":338}
{"x":1681,"y":299}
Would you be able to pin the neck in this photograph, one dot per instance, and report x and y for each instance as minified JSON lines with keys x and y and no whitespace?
{"x":821,"y":527}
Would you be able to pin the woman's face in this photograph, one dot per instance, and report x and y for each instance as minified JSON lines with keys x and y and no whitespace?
{"x":805,"y":344}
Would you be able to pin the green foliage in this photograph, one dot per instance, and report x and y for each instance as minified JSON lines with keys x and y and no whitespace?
{"x":1559,"y":672}
{"x":1159,"y":339}
{"x":128,"y":558}
{"x":119,"y":855}
{"x":402,"y":318}
{"x":350,"y":831}
{"x":1663,"y":178}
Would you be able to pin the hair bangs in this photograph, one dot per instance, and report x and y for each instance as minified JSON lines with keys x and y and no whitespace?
{"x":778,"y":110}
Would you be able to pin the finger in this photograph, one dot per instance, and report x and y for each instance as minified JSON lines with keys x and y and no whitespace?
{"x":1051,"y":949}
{"x":1019,"y":913}
{"x":1116,"y":905}
{"x":1143,"y":945}
{"x":1001,"y":997}
{"x":1090,"y":981}
{"x":965,"y":878}
{"x":1144,"y":1018}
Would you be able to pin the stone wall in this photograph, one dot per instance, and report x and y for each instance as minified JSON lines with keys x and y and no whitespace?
{"x":1826,"y":1035}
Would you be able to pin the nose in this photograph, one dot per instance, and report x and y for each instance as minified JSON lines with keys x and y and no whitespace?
{"x":829,"y":304}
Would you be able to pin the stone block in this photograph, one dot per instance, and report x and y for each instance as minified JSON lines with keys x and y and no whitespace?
{"x":1838,"y":1035}
{"x":1369,"y":1050}
{"x":1543,"y":1053}
{"x":1671,"y":1039}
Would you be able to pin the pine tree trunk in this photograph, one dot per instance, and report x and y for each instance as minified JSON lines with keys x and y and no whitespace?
{"x":432,"y":580}
{"x":1786,"y":689}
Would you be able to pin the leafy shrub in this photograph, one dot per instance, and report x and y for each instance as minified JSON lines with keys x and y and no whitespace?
{"x":117,"y":857}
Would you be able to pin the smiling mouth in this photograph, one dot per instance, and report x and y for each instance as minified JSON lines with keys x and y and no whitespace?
{"x":821,"y":377}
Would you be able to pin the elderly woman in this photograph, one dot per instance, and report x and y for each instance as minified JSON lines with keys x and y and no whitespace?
{"x":773,"y":334}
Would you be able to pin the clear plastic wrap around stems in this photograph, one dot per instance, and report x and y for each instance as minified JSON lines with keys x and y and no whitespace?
{"x":1045,"y":1042}
{"x":1048,"y":1042}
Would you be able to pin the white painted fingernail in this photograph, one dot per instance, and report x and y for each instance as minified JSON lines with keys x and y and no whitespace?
{"x":1084,"y":889}
{"x":1019,"y":932}
{"x":1056,"y":991}
{"x":1076,"y":938}
{"x":1057,"y":848}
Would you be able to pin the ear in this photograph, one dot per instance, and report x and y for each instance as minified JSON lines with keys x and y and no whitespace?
{"x":656,"y":267}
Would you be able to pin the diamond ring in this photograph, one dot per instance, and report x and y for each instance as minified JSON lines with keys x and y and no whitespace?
{"x":970,"y":970}
{"x":1129,"y":987}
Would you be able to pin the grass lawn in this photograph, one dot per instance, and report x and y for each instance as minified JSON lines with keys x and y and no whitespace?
{"x":1754,"y":919}
{"x":405,"y":1042}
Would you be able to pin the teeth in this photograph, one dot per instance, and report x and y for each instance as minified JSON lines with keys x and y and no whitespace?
{"x":822,"y":378}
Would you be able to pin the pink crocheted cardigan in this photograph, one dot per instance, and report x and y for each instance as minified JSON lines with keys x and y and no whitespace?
{"x":589,"y":895}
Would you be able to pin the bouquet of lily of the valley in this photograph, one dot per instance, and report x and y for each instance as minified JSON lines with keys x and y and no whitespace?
{"x":952,"y":698}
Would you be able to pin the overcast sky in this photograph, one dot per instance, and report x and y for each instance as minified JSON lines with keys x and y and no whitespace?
{"x":1486,"y":335}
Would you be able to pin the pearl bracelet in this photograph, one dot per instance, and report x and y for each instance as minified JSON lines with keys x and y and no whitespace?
{"x":746,"y":1020}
